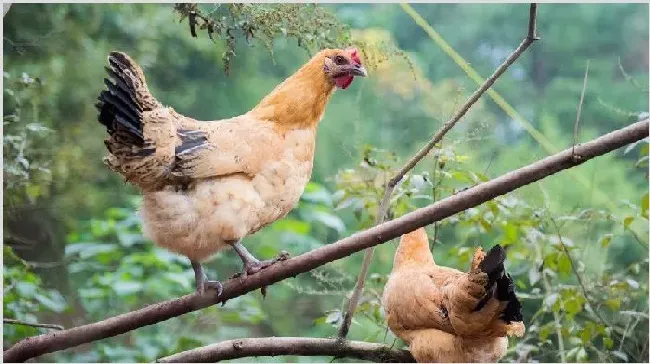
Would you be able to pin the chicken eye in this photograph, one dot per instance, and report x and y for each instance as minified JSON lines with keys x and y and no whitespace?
{"x":339,"y":60}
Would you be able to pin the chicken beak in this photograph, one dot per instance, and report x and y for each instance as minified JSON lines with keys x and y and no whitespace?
{"x":359,"y":70}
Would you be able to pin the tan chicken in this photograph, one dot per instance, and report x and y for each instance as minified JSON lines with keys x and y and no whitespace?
{"x":209,"y":184}
{"x":446,"y":315}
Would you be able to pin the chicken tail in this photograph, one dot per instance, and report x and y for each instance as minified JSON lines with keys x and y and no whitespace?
{"x":506,"y":292}
{"x":121,"y":107}
{"x":141,"y":133}
{"x":500,"y":285}
{"x":493,"y":265}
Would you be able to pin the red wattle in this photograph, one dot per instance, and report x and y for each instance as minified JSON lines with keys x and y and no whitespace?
{"x":344,"y":81}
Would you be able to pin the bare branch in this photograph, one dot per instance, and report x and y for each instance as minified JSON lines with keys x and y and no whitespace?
{"x":33,"y":324}
{"x":273,"y":346}
{"x":437,"y":137}
{"x":47,"y":343}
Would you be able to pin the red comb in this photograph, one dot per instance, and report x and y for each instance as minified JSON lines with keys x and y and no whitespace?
{"x":354,"y":54}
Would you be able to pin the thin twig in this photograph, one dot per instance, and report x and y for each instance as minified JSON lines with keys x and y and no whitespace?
{"x":437,"y":137}
{"x":629,"y":78}
{"x":472,"y":197}
{"x":33,"y":324}
{"x":273,"y":346}
{"x":582,"y":98}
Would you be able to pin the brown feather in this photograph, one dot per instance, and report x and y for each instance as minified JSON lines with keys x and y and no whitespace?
{"x":432,"y":307}
{"x":237,"y":175}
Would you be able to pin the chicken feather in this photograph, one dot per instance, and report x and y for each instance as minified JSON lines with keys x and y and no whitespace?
{"x":208,"y":184}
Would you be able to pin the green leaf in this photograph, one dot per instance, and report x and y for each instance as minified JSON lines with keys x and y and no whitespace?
{"x":329,"y":220}
{"x":544,"y":332}
{"x":564,"y":265}
{"x":292,"y":225}
{"x":627,"y":221}
{"x":614,"y":304}
{"x":511,"y":232}
{"x":316,"y":193}
{"x":605,"y":240}
{"x":572,"y":306}
{"x":609,"y":343}
{"x":586,"y":334}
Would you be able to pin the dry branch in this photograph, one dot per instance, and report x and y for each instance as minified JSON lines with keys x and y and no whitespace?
{"x":410,"y":164}
{"x":273,"y":346}
{"x":474,"y":196}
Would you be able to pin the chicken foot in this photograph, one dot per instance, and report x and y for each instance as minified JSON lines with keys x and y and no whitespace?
{"x":251,"y":264}
{"x":202,"y":281}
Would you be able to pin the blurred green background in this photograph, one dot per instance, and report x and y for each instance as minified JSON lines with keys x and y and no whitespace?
{"x":577,"y":241}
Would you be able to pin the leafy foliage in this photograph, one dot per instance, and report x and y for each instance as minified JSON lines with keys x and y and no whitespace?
{"x":312,"y":26}
{"x":81,"y":218}
{"x":24,"y":298}
{"x":591,"y":311}
{"x":25,"y":155}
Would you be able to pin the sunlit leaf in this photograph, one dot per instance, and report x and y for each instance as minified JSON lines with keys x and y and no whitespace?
{"x":628,"y":221}
{"x":608,"y":343}
{"x":564,"y":264}
{"x":614,"y":304}
{"x":605,"y":240}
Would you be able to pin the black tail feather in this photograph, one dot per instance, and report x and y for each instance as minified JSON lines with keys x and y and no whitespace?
{"x":118,"y":107}
{"x":492,"y":264}
{"x":506,"y":292}
{"x":124,"y":95}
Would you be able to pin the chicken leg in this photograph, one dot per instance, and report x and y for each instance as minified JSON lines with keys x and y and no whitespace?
{"x":202,"y":281}
{"x":251,"y":264}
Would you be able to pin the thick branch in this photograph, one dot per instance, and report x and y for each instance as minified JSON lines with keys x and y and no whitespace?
{"x":273,"y":346}
{"x":474,"y":196}
{"x":437,"y":137}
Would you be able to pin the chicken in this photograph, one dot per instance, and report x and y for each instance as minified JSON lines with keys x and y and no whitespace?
{"x":446,"y":315}
{"x":209,"y":184}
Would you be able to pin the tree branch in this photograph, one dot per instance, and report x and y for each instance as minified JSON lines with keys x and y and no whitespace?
{"x":474,"y":196}
{"x":437,"y":137}
{"x":32,"y":324}
{"x":273,"y":346}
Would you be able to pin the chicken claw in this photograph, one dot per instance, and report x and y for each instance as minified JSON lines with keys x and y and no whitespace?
{"x":251,"y":264}
{"x":202,"y":281}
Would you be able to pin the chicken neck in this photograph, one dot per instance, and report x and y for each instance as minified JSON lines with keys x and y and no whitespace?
{"x":299,"y":102}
